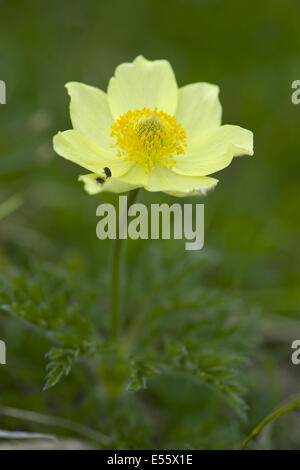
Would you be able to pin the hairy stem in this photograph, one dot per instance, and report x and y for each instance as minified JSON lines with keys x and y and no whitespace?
{"x":115,"y":276}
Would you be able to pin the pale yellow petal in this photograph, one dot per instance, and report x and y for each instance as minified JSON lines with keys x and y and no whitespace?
{"x":113,"y":185}
{"x":136,"y":175}
{"x":90,"y":113}
{"x":165,"y":180}
{"x":199,"y":108}
{"x":214,"y":150}
{"x":81,"y":150}
{"x":140,"y":84}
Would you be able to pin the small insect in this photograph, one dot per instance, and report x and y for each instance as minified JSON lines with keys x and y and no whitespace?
{"x":107,"y":172}
{"x":100,"y":180}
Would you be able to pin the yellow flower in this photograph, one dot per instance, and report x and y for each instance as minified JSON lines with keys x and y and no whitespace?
{"x":147,"y":132}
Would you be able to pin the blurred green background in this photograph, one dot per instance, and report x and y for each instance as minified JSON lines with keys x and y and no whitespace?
{"x":251,"y":256}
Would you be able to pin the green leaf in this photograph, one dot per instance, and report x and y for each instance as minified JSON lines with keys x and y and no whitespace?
{"x":60,"y":364}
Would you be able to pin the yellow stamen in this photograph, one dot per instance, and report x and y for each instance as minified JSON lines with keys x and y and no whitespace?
{"x":149,"y":138}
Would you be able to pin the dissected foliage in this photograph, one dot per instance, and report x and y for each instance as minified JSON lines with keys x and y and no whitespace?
{"x":174,"y":329}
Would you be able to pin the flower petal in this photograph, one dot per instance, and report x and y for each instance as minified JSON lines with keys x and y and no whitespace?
{"x":214,"y":150}
{"x":90,"y":113}
{"x":140,"y":84}
{"x":81,"y":150}
{"x":136,"y":175}
{"x":114,"y":185}
{"x":165,"y":180}
{"x":198,"y":108}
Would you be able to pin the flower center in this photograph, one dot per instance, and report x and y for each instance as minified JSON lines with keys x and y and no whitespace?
{"x":149,"y":138}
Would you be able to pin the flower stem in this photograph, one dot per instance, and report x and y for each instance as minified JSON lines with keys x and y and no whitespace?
{"x":271,"y":417}
{"x":115,"y":275}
